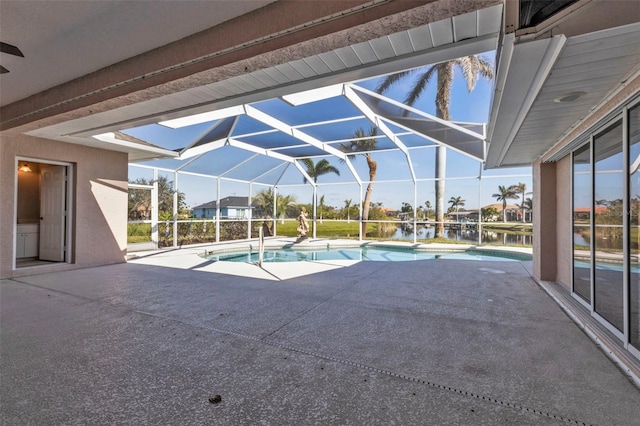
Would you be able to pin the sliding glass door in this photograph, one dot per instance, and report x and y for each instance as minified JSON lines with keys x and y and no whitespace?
{"x":608,"y":208}
{"x":634,"y":227}
{"x":606,"y":225}
{"x":582,"y":223}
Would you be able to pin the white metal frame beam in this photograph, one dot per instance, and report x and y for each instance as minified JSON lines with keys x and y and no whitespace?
{"x":360,"y":104}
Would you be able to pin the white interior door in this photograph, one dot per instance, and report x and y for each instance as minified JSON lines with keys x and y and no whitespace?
{"x":52,"y":212}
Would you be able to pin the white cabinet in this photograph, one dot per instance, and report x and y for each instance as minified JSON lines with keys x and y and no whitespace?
{"x":27,"y":240}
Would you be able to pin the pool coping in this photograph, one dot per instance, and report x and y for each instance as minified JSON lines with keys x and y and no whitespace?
{"x":276,"y":243}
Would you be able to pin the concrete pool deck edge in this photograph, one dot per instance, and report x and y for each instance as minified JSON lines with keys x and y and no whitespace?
{"x":274,"y":243}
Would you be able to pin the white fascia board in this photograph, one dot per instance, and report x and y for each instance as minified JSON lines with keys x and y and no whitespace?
{"x":313,"y":95}
{"x":285,"y":128}
{"x":248,"y":147}
{"x":110,"y":137}
{"x":201,"y":149}
{"x":204,"y":117}
{"x":504,"y":62}
{"x":528,"y":69}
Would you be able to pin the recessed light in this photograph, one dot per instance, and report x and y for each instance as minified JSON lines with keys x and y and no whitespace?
{"x":569,"y":97}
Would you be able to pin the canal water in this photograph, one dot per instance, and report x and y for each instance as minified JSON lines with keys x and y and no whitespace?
{"x":471,"y":236}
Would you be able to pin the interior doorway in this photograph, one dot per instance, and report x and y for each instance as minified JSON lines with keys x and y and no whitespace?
{"x":43,"y":219}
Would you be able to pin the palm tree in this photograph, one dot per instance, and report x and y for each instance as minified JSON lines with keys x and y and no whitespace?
{"x":315,"y":170}
{"x":364,"y":143}
{"x":427,"y":205}
{"x":528,"y":206}
{"x":347,"y":206}
{"x":521,"y":188}
{"x":456,"y":203}
{"x":472,"y":67}
{"x":264,"y":199}
{"x":504,"y":193}
{"x":320,"y":204}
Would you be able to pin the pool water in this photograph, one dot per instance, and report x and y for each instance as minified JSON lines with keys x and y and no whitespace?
{"x":375,"y":254}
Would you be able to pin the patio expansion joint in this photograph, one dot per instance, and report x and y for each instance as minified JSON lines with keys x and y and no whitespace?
{"x":377,"y":370}
{"x":360,"y":365}
{"x":344,"y":290}
{"x":56,"y":291}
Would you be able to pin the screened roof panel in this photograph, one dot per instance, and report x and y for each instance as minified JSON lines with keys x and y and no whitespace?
{"x":394,"y":128}
{"x":292,"y":176}
{"x":413,"y":141}
{"x":169,"y":163}
{"x":217,"y":131}
{"x":425,"y":124}
{"x":382,"y":142}
{"x":338,"y":131}
{"x":344,"y":176}
{"x":253,"y":143}
{"x":324,"y":110}
{"x":395,"y":167}
{"x":248,"y":125}
{"x":271,"y":177}
{"x":218,"y":161}
{"x":166,"y":137}
{"x":439,"y":132}
{"x":423,"y":160}
{"x":254,"y":168}
{"x":274,"y":140}
{"x":301,"y":152}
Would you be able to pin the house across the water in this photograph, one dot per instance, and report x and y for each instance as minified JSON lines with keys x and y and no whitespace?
{"x":230,"y":208}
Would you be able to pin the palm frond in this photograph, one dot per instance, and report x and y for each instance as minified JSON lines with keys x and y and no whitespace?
{"x":420,"y":85}
{"x":390,"y":80}
{"x":472,"y":68}
{"x":363,"y":142}
{"x":443,"y":95}
{"x":468,"y":65}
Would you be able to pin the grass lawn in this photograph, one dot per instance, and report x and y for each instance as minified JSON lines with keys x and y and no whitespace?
{"x":141,"y":232}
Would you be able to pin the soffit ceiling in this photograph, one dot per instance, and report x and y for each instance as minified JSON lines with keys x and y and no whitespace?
{"x":527,"y":118}
{"x":466,"y":34}
{"x":62,"y":40}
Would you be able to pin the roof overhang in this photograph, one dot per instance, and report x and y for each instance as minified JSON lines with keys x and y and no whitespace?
{"x":548,"y":83}
{"x":469,"y":33}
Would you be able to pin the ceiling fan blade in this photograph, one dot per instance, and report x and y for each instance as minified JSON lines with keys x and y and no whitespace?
{"x":10,"y":49}
{"x":3,"y":70}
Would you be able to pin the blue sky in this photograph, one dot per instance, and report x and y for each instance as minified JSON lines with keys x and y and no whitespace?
{"x":392,"y":165}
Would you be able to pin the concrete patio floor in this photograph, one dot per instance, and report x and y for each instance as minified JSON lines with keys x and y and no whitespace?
{"x":424,"y":342}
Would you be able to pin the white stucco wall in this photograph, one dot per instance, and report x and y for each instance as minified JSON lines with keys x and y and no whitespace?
{"x":99,"y":209}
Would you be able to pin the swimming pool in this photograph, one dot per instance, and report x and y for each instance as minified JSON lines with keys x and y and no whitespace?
{"x":375,"y":254}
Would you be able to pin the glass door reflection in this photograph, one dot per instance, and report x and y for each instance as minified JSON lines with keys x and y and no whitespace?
{"x":608,"y":212}
{"x":634,"y":231}
{"x":582,"y":223}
